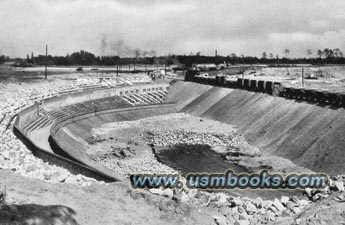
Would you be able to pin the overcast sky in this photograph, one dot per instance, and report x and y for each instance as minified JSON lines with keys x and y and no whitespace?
{"x":110,"y":27}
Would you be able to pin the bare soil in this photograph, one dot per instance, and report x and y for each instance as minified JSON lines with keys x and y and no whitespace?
{"x":30,"y":201}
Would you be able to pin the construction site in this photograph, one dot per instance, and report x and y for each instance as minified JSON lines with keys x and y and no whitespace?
{"x":68,"y":146}
{"x":154,"y":112}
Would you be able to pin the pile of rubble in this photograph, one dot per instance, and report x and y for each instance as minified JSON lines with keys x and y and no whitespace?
{"x":17,"y":158}
{"x":124,"y":162}
{"x":14,"y":155}
{"x":182,"y":136}
{"x":238,"y":210}
{"x":245,"y":211}
{"x":131,"y":160}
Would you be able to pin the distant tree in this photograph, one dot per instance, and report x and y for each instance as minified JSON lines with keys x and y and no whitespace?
{"x":86,"y":58}
{"x":137,"y":53}
{"x":264,"y":55}
{"x":326,"y":52}
{"x":233,"y":55}
{"x":309,"y":52}
{"x":286,"y":52}
{"x":198,"y":53}
{"x":271,"y":55}
{"x":337,"y":53}
{"x":27,"y":58}
{"x":319,"y":53}
{"x":2,"y":59}
{"x":331,"y":53}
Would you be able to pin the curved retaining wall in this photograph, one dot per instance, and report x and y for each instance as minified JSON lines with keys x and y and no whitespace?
{"x":57,"y":102}
{"x":30,"y":113}
{"x":72,"y":166}
{"x":25,"y":116}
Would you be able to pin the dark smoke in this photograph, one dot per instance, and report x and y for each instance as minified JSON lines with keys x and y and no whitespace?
{"x":111,"y":47}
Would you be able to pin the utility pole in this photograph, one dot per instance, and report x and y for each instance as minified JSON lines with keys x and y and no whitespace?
{"x":45,"y":77}
{"x":302,"y":77}
{"x":242,"y":68}
{"x":165,"y":71}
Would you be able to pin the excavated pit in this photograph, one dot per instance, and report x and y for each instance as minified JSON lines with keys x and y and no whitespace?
{"x":180,"y":143}
{"x":279,"y":135}
{"x":290,"y":136}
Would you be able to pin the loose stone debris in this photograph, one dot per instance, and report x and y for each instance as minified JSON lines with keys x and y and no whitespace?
{"x":230,"y":209}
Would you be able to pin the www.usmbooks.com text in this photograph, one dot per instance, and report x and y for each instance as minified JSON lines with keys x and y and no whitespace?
{"x":230,"y":180}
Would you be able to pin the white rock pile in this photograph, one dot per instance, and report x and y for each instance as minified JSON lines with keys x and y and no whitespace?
{"x":183,"y":136}
{"x":13,"y":153}
{"x":238,"y":210}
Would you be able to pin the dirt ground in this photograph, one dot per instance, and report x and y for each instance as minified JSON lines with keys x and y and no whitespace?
{"x":31,"y":201}
{"x":329,"y":78}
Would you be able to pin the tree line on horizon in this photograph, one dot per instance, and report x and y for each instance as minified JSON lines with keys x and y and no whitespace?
{"x":326,"y":56}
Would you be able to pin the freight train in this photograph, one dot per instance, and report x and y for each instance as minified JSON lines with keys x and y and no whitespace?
{"x":334,"y":99}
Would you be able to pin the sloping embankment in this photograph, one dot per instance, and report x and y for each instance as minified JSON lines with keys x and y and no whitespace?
{"x":309,"y":135}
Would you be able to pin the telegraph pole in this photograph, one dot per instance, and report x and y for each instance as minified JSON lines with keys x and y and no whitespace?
{"x":45,"y":77}
{"x":302,"y":77}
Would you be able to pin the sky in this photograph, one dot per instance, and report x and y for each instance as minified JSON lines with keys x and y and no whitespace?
{"x":162,"y":27}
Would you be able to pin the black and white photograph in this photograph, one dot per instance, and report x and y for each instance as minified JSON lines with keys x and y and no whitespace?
{"x":150,"y":112}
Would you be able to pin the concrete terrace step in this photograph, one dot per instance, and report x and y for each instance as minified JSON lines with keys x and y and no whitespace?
{"x":78,"y":107}
{"x":138,"y":99}
{"x":43,"y":123}
{"x":90,"y":106}
{"x":128,"y":101}
{"x":57,"y":114}
{"x":163,"y":93}
{"x":149,"y":100}
{"x":67,"y":110}
{"x":157,"y":97}
{"x":144,"y":98}
{"x":133,"y":100}
{"x":32,"y":123}
{"x":72,"y":110}
{"x":160,"y":94}
{"x":152,"y":99}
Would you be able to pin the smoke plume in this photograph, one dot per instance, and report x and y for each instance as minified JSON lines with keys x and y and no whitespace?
{"x":119,"y":47}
